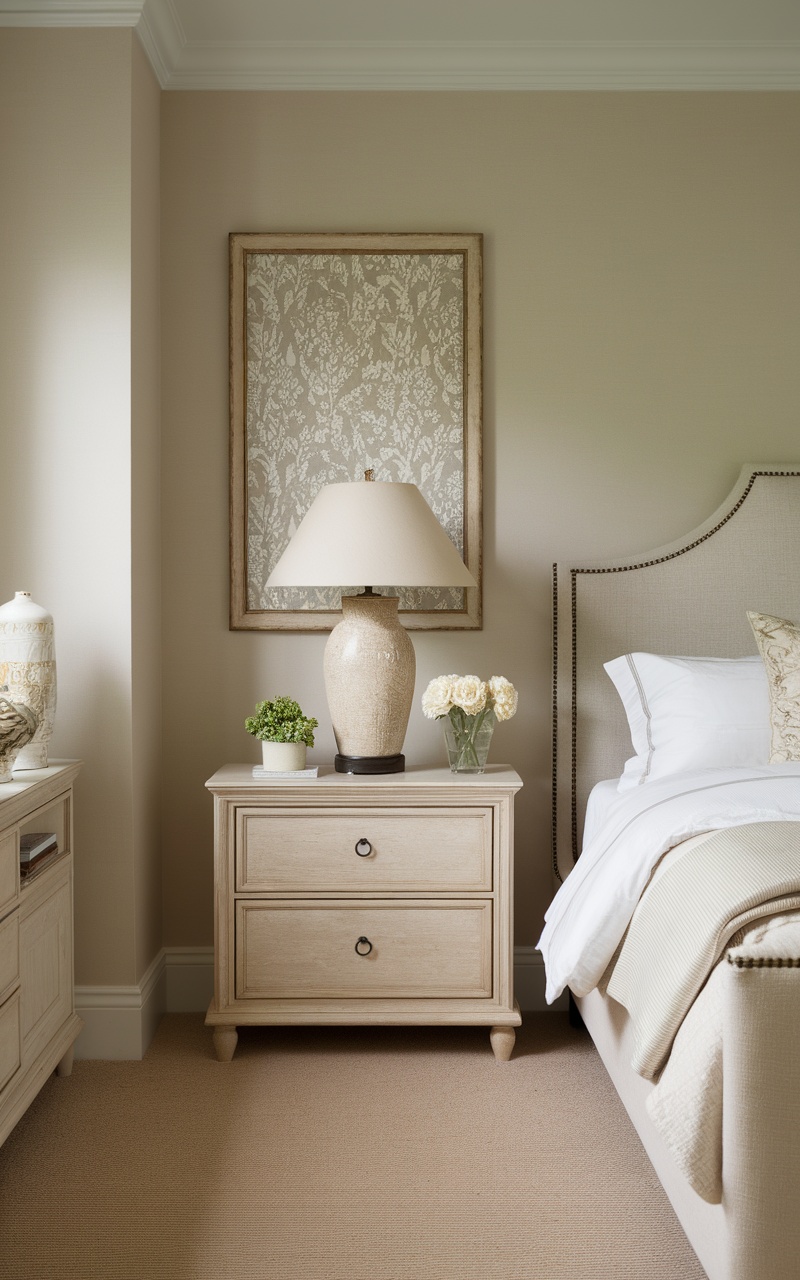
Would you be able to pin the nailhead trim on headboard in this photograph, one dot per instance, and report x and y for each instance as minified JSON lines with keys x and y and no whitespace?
{"x":554,"y":804}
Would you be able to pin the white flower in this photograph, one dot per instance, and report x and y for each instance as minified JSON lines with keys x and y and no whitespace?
{"x":470,"y":694}
{"x":504,"y":697}
{"x":438,"y":697}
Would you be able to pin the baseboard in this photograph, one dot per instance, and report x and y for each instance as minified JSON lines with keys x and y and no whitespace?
{"x":119,"y":1022}
{"x":190,"y":979}
{"x":529,"y":982}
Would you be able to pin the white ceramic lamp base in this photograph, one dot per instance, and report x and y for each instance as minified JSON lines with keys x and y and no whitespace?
{"x":369,"y":679}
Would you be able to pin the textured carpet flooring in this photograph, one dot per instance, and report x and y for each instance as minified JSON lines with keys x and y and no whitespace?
{"x":325,"y":1154}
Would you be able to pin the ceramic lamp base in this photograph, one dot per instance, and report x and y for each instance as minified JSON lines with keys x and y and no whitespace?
{"x":369,"y":679}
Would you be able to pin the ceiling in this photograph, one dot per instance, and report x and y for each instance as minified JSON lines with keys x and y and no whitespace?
{"x":449,"y":44}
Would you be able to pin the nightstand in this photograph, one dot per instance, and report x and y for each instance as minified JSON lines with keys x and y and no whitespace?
{"x":351,"y":899}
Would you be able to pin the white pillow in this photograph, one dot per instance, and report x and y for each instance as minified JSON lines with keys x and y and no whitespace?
{"x":691,"y":713}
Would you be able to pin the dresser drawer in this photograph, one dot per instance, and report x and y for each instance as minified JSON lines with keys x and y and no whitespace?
{"x":308,"y":950}
{"x":9,"y":953}
{"x":363,"y":851}
{"x":9,"y":1039}
{"x":45,"y":963}
{"x":9,"y":870}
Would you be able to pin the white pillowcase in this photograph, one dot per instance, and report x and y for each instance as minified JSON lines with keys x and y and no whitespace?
{"x":691,"y":713}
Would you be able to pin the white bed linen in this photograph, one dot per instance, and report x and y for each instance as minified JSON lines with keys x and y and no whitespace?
{"x":591,"y":911}
{"x":601,"y":797}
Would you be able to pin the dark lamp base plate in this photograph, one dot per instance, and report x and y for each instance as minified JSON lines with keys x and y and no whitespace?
{"x":369,"y":764}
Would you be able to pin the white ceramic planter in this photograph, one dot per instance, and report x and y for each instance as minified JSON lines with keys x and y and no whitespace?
{"x":28,"y":667}
{"x":284,"y":757}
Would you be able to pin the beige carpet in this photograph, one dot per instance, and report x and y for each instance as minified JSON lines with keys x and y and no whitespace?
{"x":365,"y":1154}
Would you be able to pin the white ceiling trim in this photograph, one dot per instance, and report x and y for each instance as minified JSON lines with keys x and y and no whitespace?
{"x":495,"y":65}
{"x":66,"y":13}
{"x":421,"y":65}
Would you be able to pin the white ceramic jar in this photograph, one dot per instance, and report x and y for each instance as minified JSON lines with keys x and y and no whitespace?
{"x":28,"y":668}
{"x":283,"y":757}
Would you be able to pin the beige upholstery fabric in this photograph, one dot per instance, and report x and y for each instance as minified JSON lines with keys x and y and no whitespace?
{"x":779,"y":643}
{"x":686,"y":1104}
{"x":761,"y":1117}
{"x":754,"y":1234}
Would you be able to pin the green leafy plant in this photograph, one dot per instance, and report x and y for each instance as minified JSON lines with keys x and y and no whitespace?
{"x":281,"y":720}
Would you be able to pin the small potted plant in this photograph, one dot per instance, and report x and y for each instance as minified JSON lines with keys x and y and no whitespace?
{"x":284,"y":733}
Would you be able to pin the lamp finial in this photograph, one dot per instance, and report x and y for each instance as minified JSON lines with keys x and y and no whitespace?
{"x":369,"y":474}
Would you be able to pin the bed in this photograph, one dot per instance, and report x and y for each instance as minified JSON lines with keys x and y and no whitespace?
{"x":693,"y":598}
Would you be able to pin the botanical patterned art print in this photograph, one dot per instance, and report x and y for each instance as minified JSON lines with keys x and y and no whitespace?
{"x":351,"y":352}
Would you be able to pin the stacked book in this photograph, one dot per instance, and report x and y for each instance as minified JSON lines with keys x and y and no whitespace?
{"x":36,"y":850}
{"x":260,"y":772}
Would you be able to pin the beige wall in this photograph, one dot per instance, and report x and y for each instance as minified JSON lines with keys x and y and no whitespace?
{"x":641,"y":337}
{"x":145,"y":432}
{"x":68,"y":339}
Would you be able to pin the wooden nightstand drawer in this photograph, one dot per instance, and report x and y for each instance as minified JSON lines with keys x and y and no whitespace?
{"x":364,"y":851}
{"x":9,"y":953}
{"x":303,"y":950}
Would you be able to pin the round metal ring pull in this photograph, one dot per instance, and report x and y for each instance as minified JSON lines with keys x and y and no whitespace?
{"x":361,"y":944}
{"x":363,"y":848}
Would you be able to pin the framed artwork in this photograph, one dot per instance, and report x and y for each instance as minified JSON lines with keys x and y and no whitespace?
{"x":349,"y":353}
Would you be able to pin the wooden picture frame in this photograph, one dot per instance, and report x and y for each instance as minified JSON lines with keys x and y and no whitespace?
{"x":350,"y":352}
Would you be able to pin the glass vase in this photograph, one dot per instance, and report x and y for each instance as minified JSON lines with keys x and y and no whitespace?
{"x":467,"y":739}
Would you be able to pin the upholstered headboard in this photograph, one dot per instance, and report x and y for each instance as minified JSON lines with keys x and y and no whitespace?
{"x":688,"y":598}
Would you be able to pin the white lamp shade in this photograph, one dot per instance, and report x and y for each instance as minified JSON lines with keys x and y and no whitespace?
{"x":370,"y":533}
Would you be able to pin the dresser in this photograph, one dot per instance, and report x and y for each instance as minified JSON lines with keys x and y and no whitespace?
{"x":363,"y":899}
{"x":38,"y":1023}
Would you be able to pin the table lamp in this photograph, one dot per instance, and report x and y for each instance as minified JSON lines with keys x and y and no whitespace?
{"x":370,"y":532}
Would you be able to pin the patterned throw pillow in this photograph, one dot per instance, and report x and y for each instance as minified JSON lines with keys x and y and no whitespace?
{"x":779,"y":642}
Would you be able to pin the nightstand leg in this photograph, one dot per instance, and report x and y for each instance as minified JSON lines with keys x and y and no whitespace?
{"x":64,"y":1067}
{"x":502,"y":1039}
{"x":225,"y":1039}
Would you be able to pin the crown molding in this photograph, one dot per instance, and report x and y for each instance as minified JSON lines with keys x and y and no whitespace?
{"x":68,"y":13}
{"x":163,"y":39}
{"x":495,"y":65}
{"x":421,"y":65}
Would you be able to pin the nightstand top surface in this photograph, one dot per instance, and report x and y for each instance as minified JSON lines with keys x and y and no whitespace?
{"x":236,"y":777}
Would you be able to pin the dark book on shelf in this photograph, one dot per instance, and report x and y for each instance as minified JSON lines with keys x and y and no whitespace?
{"x":35,"y":844}
{"x":28,"y":870}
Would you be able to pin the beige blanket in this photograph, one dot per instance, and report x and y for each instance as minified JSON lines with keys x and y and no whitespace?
{"x":695,"y":903}
{"x":686,"y":1104}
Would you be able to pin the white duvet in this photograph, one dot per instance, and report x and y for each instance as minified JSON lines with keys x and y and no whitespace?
{"x":592,"y":909}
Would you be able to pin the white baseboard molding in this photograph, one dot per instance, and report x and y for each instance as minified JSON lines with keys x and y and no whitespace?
{"x":119,"y":1022}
